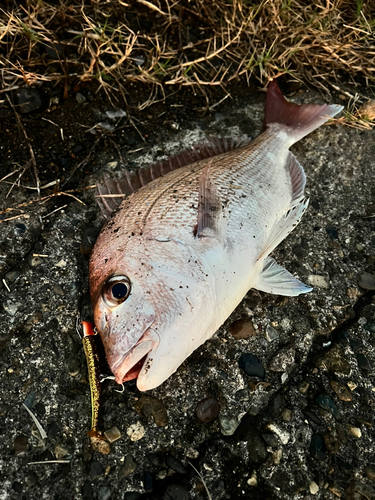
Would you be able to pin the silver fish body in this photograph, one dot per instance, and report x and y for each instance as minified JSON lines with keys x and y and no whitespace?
{"x":180,"y":253}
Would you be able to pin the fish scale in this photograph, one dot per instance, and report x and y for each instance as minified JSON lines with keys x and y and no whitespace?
{"x":180,"y":253}
{"x":159,"y":197}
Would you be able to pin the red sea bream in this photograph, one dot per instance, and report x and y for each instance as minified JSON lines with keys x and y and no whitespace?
{"x":180,"y":253}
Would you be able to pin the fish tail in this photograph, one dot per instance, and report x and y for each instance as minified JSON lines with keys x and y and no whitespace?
{"x":300,"y":119}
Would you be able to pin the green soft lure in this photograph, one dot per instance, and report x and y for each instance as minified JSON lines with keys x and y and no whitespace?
{"x":92,"y":358}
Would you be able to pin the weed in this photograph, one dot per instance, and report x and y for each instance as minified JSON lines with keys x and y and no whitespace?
{"x":196,"y":43}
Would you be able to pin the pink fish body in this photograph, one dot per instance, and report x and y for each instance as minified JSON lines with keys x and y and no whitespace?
{"x":181,"y":252}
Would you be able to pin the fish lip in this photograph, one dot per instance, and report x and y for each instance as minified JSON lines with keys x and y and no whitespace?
{"x":149,"y":340}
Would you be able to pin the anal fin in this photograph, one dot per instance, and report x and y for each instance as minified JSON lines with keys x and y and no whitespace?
{"x":277,"y":280}
{"x":297,"y":178}
{"x":284,"y":226}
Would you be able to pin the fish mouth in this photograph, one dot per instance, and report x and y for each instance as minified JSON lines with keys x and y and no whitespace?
{"x":129,"y":365}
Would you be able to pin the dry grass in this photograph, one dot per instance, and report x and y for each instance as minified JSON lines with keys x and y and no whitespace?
{"x":199,"y":43}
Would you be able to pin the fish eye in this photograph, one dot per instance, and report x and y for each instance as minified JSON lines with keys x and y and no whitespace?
{"x":116,"y":290}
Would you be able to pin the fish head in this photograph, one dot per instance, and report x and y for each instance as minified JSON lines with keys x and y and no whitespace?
{"x":152,"y":308}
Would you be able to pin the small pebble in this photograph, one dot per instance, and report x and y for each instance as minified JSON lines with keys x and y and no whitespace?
{"x":319,"y":281}
{"x":17,"y":487}
{"x":80,"y":98}
{"x":149,"y":406}
{"x":331,"y":441}
{"x":363,"y":362}
{"x":252,"y":481}
{"x":334,"y":360}
{"x":370,"y":472}
{"x":115,"y":114}
{"x":283,"y":361}
{"x":58,"y":290}
{"x":20,"y":445}
{"x":313,"y":487}
{"x":281,"y":433}
{"x":61,"y":263}
{"x":11,"y":307}
{"x":353,"y":293}
{"x":228,"y":425}
{"x":53,"y":430}
{"x":277,"y":456}
{"x":20,"y":228}
{"x":104,"y":493}
{"x":242,"y":329}
{"x":366,"y":281}
{"x":128,"y":468}
{"x":112,"y":434}
{"x":251,"y":365}
{"x":326,"y":403}
{"x":162,"y":474}
{"x":256,"y":446}
{"x":318,"y":447}
{"x":335,"y":490}
{"x":271,"y":440}
{"x":286,"y":415}
{"x":156,"y":459}
{"x":174,"y":464}
{"x":29,"y":99}
{"x":60,"y":452}
{"x":271,"y":333}
{"x":99,"y":444}
{"x":367,"y":110}
{"x":303,"y":388}
{"x":355,"y":432}
{"x":136,"y":431}
{"x":12,"y":276}
{"x":35,"y":261}
{"x":352,"y":385}
{"x":139,"y":60}
{"x":207,"y":409}
{"x":32,"y":320}
{"x":30,"y":400}
{"x":96,"y":470}
{"x":341,"y":391}
{"x":332,"y":232}
{"x":255,"y":442}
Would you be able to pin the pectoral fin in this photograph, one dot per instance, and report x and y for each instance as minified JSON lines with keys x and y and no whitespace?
{"x":211,"y":220}
{"x":277,"y":280}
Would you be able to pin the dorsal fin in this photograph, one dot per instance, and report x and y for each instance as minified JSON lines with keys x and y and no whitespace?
{"x":112,"y":191}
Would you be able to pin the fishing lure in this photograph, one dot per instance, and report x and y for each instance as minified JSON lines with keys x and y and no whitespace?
{"x":93,"y":365}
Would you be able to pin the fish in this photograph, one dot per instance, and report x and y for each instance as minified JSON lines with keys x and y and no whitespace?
{"x":179,"y":253}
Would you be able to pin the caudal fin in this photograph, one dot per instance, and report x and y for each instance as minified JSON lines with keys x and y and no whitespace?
{"x":300,"y":119}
